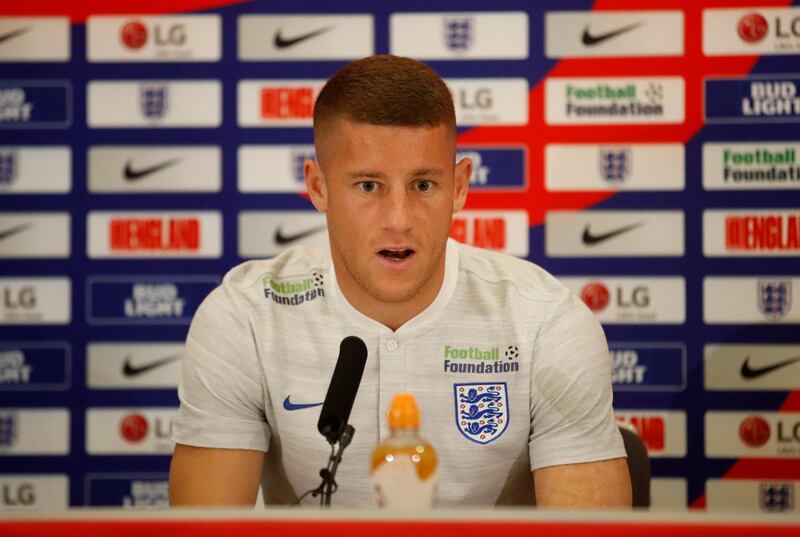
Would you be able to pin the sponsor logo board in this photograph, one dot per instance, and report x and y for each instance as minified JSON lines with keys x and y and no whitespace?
{"x":751,"y":367}
{"x":35,"y":104}
{"x":35,"y":39}
{"x":131,"y":431}
{"x":163,"y":168}
{"x":501,"y":231}
{"x":753,"y":434}
{"x":751,"y":165}
{"x":35,"y":301}
{"x":41,"y":431}
{"x":175,"y":38}
{"x":496,"y":168}
{"x":662,"y":431}
{"x":305,"y":37}
{"x":755,"y":30}
{"x":154,"y":103}
{"x":127,"y":364}
{"x":614,"y":233}
{"x":34,"y":492}
{"x":35,"y":365}
{"x":753,"y":495}
{"x":604,"y":101}
{"x":751,"y":232}
{"x":35,"y":169}
{"x":668,"y":494}
{"x":273,"y":168}
{"x":277,"y":103}
{"x":459,"y":36}
{"x":632,"y":299}
{"x":141,"y":300}
{"x":585,"y":34}
{"x":643,"y":366}
{"x":131,"y":491}
{"x":490,"y":101}
{"x":752,"y":100}
{"x":154,"y":234}
{"x":35,"y":235}
{"x":766,"y":299}
{"x":268,"y":233}
{"x":592,"y":167}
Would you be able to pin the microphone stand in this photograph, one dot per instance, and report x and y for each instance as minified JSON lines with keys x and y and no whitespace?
{"x":328,"y":474}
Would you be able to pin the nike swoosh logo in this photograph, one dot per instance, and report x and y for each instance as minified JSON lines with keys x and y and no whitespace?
{"x":288,"y":405}
{"x":15,"y":33}
{"x":282,"y":239}
{"x":590,"y":40}
{"x":132,"y":174}
{"x":130,"y":370}
{"x":282,"y":42}
{"x":14,"y":230}
{"x":750,"y":373}
{"x":589,"y":239}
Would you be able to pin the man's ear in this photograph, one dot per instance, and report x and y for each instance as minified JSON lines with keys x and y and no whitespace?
{"x":463,"y":173}
{"x":316,"y":185}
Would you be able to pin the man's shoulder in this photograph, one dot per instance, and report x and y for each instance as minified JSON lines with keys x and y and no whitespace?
{"x":529,"y":280}
{"x":293,"y":263}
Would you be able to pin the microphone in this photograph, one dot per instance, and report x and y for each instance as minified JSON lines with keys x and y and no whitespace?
{"x":343,"y":388}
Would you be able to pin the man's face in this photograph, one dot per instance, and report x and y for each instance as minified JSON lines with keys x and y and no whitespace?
{"x":389,"y":194}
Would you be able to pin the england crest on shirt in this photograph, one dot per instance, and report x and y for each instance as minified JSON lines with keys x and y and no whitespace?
{"x":481,"y":410}
{"x":774,"y":298}
{"x":154,"y":100}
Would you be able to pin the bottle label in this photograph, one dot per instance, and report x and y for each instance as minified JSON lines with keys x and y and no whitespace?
{"x":397,"y":485}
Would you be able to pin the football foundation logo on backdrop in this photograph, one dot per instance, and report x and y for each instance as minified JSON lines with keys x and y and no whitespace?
{"x":481,"y":410}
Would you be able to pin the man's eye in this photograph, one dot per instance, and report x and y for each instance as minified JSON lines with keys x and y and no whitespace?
{"x":424,"y":186}
{"x":368,"y":186}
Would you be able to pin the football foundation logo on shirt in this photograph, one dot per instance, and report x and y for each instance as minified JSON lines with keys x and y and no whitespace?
{"x":294,"y":292}
{"x":481,"y":410}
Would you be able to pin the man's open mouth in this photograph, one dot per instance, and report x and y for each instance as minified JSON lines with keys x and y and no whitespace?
{"x":398,"y":254}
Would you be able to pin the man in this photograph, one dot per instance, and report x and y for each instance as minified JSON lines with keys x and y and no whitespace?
{"x":447,"y":322}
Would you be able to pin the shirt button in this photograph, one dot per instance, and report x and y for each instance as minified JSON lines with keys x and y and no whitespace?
{"x":392,"y":345}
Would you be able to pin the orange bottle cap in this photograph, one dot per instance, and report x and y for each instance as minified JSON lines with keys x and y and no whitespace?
{"x":403,"y":412}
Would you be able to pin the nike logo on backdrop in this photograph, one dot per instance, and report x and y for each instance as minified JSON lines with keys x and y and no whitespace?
{"x":589,"y":239}
{"x":288,"y":405}
{"x":130,"y":370}
{"x":590,"y":40}
{"x":14,"y":33}
{"x":6,"y":233}
{"x":283,"y":42}
{"x":751,"y":373}
{"x":281,"y":239}
{"x":132,"y":174}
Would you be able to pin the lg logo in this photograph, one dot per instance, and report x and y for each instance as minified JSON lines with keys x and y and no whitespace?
{"x":597,"y":296}
{"x":134,"y":35}
{"x":22,"y":495}
{"x":22,"y":298}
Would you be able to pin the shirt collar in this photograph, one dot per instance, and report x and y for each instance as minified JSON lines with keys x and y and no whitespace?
{"x":422,"y":318}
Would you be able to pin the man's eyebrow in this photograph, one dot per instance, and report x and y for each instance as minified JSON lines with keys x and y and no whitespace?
{"x":369,"y":174}
{"x":427,"y":171}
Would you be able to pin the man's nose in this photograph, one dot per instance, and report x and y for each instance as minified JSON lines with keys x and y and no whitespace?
{"x":397,"y":210}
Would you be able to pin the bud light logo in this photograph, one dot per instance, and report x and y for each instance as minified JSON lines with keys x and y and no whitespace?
{"x":458,"y":33}
{"x":774,"y":298}
{"x":481,"y":410}
{"x":614,"y":165}
{"x":154,"y":101}
{"x":8,"y":167}
{"x":754,"y":431}
{"x":8,"y":429}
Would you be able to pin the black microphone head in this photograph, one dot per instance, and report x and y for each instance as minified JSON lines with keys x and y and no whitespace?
{"x":343,"y":388}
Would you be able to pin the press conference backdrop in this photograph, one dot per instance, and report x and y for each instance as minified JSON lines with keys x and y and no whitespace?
{"x":646,"y":156}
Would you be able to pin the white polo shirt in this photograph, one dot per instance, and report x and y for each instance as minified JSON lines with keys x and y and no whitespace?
{"x":511,"y":373}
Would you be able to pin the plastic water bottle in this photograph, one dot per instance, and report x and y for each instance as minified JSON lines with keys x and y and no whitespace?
{"x":404,"y":465}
